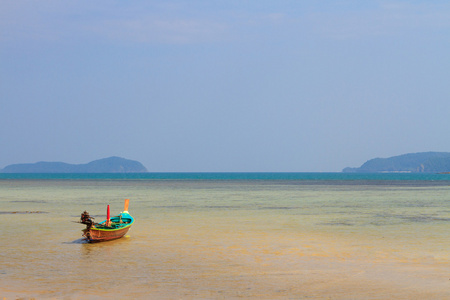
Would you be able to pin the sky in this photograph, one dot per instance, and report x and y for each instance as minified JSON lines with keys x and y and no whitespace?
{"x":223,"y":86}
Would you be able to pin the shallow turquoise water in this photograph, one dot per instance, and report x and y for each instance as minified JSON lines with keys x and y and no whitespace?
{"x":279,"y":176}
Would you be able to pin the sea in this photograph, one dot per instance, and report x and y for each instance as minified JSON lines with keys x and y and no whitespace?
{"x":228,"y":236}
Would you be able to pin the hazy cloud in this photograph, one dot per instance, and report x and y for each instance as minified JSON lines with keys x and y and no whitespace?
{"x":51,"y":20}
{"x":156,"y":30}
{"x":387,"y":19}
{"x":181,"y":22}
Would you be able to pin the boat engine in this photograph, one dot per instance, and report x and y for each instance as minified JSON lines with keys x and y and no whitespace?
{"x":86,"y":219}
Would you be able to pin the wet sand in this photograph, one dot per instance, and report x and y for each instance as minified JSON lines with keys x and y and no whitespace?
{"x":196,"y":263}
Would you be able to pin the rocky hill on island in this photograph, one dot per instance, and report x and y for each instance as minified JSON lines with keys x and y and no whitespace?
{"x":423,"y":162}
{"x":106,"y":165}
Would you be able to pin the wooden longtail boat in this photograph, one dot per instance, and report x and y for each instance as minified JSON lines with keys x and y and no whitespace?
{"x":110,"y":229}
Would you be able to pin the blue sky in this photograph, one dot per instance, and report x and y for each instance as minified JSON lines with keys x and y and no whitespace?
{"x":223,"y":85}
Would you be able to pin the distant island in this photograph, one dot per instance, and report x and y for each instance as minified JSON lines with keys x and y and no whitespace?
{"x":423,"y":162}
{"x":112,"y":164}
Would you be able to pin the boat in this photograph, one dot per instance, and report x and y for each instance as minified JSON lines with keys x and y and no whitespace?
{"x":109,"y":229}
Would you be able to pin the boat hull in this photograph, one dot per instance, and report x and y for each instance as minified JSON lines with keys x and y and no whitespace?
{"x":100,"y":235}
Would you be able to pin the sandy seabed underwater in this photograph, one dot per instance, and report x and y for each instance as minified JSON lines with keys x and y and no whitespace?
{"x":227,"y":239}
